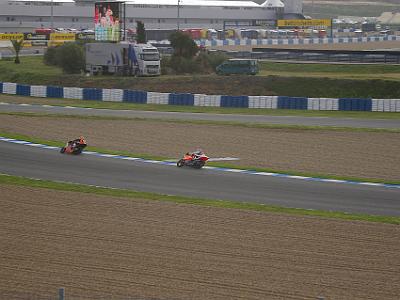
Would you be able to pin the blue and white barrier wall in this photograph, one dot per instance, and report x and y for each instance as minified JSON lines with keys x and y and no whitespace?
{"x":271,"y":102}
{"x":296,"y":41}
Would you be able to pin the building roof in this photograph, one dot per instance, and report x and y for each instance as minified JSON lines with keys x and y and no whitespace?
{"x":220,"y":3}
{"x":197,"y":3}
{"x":55,"y":1}
{"x":273,"y":3}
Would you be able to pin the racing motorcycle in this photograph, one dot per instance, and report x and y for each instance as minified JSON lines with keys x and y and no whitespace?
{"x":195,"y":160}
{"x":74,"y":147}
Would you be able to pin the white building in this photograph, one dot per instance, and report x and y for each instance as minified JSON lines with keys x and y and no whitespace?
{"x":25,"y":15}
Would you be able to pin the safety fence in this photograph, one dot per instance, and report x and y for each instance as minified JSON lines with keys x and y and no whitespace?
{"x":271,"y":102}
{"x":296,"y":41}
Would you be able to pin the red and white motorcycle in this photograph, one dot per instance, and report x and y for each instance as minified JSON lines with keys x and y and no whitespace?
{"x":195,"y":160}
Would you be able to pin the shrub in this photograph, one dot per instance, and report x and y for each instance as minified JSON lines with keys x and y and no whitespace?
{"x":215,"y":59}
{"x":183,"y":65}
{"x":204,"y":63}
{"x":70,"y":57}
{"x":49,"y":57}
{"x":166,"y":68}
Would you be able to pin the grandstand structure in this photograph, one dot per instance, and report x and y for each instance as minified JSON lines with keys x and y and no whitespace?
{"x":26,"y":15}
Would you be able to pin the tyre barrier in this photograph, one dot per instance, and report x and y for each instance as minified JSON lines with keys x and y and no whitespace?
{"x":181,"y":99}
{"x":142,"y":97}
{"x":234,"y":101}
{"x":92,"y":94}
{"x":54,"y":92}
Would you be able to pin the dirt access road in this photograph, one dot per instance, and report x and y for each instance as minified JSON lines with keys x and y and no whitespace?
{"x":344,"y":153}
{"x":99,"y":247}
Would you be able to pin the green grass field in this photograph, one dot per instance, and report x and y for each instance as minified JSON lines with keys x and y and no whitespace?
{"x":335,"y":71}
{"x":303,"y":80}
{"x":198,"y":109}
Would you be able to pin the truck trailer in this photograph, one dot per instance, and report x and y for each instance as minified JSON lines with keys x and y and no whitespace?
{"x":122,"y":59}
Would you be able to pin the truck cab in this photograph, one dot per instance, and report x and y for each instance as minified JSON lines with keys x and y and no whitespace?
{"x":148,"y":60}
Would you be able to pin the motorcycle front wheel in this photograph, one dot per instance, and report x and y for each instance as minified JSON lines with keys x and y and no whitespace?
{"x":180,"y":163}
{"x":62,"y":150}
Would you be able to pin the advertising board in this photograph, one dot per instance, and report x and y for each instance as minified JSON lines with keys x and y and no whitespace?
{"x":36,"y":37}
{"x":11,"y":36}
{"x":304,"y":23}
{"x":62,"y":36}
{"x":107,"y":21}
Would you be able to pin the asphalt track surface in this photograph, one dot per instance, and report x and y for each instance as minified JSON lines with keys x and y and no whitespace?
{"x":48,"y":164}
{"x":263,"y":119}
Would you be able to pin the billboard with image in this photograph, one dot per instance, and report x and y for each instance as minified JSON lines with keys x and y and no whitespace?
{"x":107,"y":21}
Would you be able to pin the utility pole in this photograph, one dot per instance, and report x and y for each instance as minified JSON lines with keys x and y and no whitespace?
{"x":51,"y":18}
{"x":178,"y":14}
{"x":312,"y":9}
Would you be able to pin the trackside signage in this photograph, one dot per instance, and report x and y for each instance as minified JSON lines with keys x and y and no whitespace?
{"x":11,"y":36}
{"x":304,"y":23}
{"x":62,"y":36}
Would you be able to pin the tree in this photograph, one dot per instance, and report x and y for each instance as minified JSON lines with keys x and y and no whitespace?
{"x":70,"y":58}
{"x":140,"y":33}
{"x":183,"y":45}
{"x":17,"y":45}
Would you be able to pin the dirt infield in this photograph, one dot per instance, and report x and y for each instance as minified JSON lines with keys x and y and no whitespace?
{"x":99,"y":247}
{"x":345,"y":153}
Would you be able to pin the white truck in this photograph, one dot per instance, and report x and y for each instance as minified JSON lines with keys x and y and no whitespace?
{"x":122,"y":59}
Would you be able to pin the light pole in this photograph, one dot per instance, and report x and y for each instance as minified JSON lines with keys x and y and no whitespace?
{"x":178,"y":13}
{"x":51,"y":18}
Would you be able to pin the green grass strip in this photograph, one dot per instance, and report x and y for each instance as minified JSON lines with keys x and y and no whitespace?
{"x":203,"y":122}
{"x":213,"y":164}
{"x":209,"y":110}
{"x":61,"y":186}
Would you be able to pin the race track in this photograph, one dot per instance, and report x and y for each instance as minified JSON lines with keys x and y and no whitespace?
{"x":263,"y":119}
{"x":48,"y":164}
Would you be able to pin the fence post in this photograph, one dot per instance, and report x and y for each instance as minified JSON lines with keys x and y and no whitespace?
{"x":61,"y":294}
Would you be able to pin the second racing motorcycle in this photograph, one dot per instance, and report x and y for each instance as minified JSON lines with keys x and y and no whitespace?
{"x":195,"y":160}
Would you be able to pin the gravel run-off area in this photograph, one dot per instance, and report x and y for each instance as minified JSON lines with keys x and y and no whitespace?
{"x":100,"y":247}
{"x":342,"y":153}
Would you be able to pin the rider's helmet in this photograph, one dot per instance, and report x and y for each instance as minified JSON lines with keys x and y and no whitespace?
{"x":198,"y":151}
{"x":82,"y":140}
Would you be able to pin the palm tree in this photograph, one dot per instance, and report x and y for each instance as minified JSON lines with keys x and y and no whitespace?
{"x":17,"y":45}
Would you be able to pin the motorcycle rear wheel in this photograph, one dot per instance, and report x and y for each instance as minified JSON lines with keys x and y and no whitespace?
{"x":198,"y":165}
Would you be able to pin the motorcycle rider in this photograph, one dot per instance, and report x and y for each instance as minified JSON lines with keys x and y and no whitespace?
{"x":81,"y":140}
{"x":196,"y":154}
